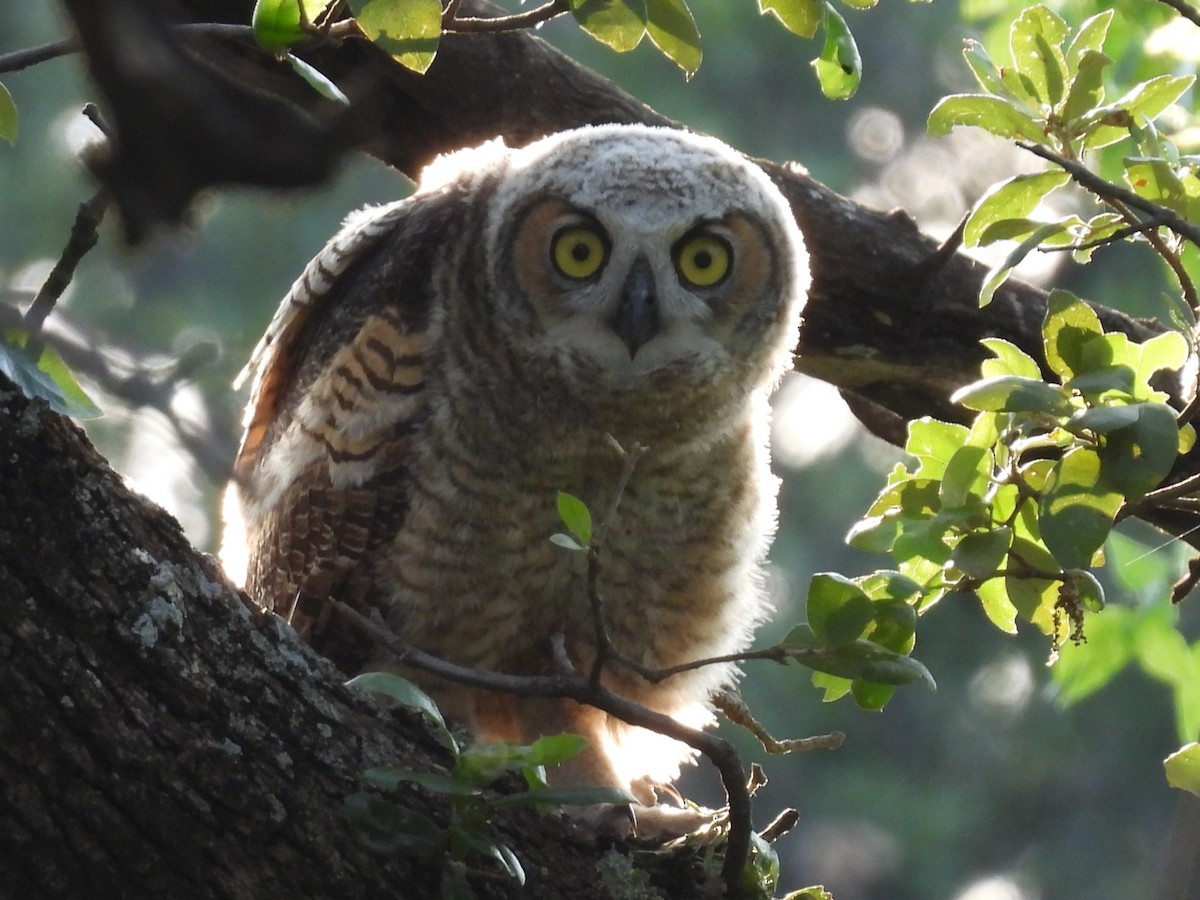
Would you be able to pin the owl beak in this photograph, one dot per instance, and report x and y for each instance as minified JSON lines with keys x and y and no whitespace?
{"x":637,"y":319}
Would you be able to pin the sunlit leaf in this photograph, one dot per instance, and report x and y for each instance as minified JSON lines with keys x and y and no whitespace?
{"x":1183,"y":768}
{"x":993,"y":595}
{"x":276,"y":23}
{"x":839,"y":67}
{"x":983,"y":68}
{"x":1087,"y":86}
{"x":802,"y":17}
{"x":859,"y":659}
{"x":871,"y":695}
{"x":1035,"y":40}
{"x":1070,"y":324}
{"x":408,"y":30}
{"x":618,"y":24}
{"x":1103,"y":419}
{"x":553,"y":749}
{"x":838,"y":609}
{"x":317,"y":80}
{"x":1110,"y":123}
{"x":576,"y":516}
{"x":1010,"y":360}
{"x":967,"y":476}
{"x":8,"y":116}
{"x":999,"y":273}
{"x":1076,"y":512}
{"x":998,"y":115}
{"x":1015,"y":198}
{"x":1013,"y":393}
{"x":933,"y":443}
{"x":1083,"y":669}
{"x":46,"y":377}
{"x":1089,"y":37}
{"x":672,"y":30}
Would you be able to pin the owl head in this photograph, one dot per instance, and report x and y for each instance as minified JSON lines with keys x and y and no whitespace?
{"x":628,"y":259}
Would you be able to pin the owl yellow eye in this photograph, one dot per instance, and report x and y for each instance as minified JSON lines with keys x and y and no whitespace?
{"x":578,"y":252}
{"x":702,"y":260}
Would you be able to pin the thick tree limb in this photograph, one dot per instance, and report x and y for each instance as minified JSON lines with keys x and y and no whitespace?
{"x":160,"y":739}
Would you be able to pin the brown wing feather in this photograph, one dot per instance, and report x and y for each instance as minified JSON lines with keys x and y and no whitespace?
{"x":338,"y":392}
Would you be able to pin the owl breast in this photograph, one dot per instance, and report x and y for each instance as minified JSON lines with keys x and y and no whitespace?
{"x":450,"y":363}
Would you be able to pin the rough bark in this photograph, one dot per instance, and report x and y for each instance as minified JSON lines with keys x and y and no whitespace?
{"x":160,"y":739}
{"x":156,"y":737}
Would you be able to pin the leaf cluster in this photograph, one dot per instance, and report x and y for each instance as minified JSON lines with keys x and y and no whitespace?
{"x":1017,"y":507}
{"x":466,"y":786}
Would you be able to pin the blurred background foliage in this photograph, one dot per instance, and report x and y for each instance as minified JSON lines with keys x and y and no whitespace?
{"x":987,"y":790}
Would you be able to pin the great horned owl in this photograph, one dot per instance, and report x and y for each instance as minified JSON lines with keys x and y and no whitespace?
{"x":448,"y":363}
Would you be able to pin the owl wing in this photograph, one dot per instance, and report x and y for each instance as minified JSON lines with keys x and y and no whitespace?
{"x":338,"y":391}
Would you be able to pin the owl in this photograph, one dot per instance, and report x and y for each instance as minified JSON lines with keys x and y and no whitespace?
{"x":450,"y":362}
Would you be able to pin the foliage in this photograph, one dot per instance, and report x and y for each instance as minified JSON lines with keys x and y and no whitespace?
{"x":40,"y":372}
{"x":394,"y":828}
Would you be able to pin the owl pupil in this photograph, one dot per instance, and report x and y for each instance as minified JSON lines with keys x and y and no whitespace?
{"x":580,"y":252}
{"x":703,"y":259}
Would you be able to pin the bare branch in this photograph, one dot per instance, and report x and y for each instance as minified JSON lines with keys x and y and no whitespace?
{"x":83,"y":238}
{"x":734,"y":707}
{"x":516,"y":22}
{"x":1106,"y":190}
{"x":1186,"y":10}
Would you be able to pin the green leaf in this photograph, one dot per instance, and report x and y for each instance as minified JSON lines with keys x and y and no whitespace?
{"x":1168,"y":351}
{"x":967,"y":476}
{"x":1013,"y":393}
{"x":509,"y":861}
{"x":1103,"y":419}
{"x":1076,"y":513}
{"x":406,"y":694}
{"x":983,"y":68}
{"x":1083,"y":669}
{"x":999,"y":273}
{"x":839,"y":67}
{"x":1015,"y":198}
{"x":1089,"y":37}
{"x":276,"y":23}
{"x":1135,"y":459}
{"x":839,"y":611}
{"x":998,"y":115}
{"x":388,"y":828}
{"x":874,"y":534}
{"x":889,"y":585}
{"x":1034,"y":597}
{"x":1183,"y":768}
{"x":934,"y":443}
{"x":389,"y":777}
{"x":980,"y":553}
{"x":857,"y":660}
{"x":993,"y":595}
{"x":553,"y":749}
{"x":1110,"y":123}
{"x":317,"y":80}
{"x":1010,"y":360}
{"x":673,"y":31}
{"x":407,"y":29}
{"x":1035,"y":41}
{"x":618,"y":24}
{"x":1069,"y":325}
{"x":576,"y":516}
{"x":568,"y":796}
{"x":565,"y":541}
{"x":870,"y":695}
{"x":8,"y":116}
{"x":801,"y":17}
{"x":46,"y":378}
{"x":1088,"y":590}
{"x":1087,"y":87}
{"x":835,"y":688}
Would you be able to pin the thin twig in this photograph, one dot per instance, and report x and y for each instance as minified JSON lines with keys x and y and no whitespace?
{"x":731,"y":704}
{"x":604,"y":648}
{"x":1085,"y":178}
{"x":1186,"y":10}
{"x":83,"y":238}
{"x":1119,"y":235}
{"x":572,"y":686}
{"x":32,"y":56}
{"x":515,"y":22}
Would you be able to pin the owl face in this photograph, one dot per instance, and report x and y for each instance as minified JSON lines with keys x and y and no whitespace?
{"x":633,"y":252}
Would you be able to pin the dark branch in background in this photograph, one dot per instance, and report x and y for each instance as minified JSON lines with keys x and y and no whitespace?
{"x":31,"y":56}
{"x":1186,"y":10}
{"x":452,"y":22}
{"x":83,"y":238}
{"x":574,"y":686}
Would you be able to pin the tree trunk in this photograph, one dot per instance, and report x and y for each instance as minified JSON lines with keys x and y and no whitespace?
{"x":159,"y":738}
